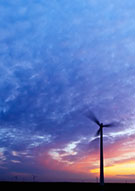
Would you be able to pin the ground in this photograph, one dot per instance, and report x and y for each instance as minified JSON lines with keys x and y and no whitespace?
{"x":67,"y":185}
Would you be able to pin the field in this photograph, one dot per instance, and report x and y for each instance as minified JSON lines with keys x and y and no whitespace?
{"x":68,"y":185}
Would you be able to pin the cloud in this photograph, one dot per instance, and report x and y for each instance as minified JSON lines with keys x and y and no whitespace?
{"x":12,"y":138}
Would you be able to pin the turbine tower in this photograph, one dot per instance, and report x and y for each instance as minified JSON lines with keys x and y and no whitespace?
{"x":92,"y":117}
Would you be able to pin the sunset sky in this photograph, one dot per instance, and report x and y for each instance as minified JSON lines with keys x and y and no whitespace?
{"x":58,"y":60}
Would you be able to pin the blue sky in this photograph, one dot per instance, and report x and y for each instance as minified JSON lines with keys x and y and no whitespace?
{"x":58,"y":59}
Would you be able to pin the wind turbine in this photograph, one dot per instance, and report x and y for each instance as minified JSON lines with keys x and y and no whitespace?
{"x":100,"y":132}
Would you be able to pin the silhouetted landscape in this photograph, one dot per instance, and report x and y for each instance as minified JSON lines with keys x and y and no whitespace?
{"x":90,"y":186}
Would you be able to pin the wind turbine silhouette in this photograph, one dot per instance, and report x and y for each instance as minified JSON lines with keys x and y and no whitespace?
{"x":93,"y":118}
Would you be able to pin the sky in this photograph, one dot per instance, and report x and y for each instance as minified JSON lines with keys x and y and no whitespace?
{"x":60,"y":59}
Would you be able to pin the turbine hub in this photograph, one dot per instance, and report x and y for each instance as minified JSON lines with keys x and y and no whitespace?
{"x":101,"y":124}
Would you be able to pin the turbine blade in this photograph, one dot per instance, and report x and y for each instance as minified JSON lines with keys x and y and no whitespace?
{"x":93,"y":118}
{"x":98,"y":132}
{"x":109,"y":125}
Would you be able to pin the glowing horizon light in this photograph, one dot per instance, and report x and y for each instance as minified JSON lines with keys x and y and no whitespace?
{"x":117,"y":169}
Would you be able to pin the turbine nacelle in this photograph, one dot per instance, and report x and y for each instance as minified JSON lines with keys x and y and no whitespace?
{"x":101,"y":124}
